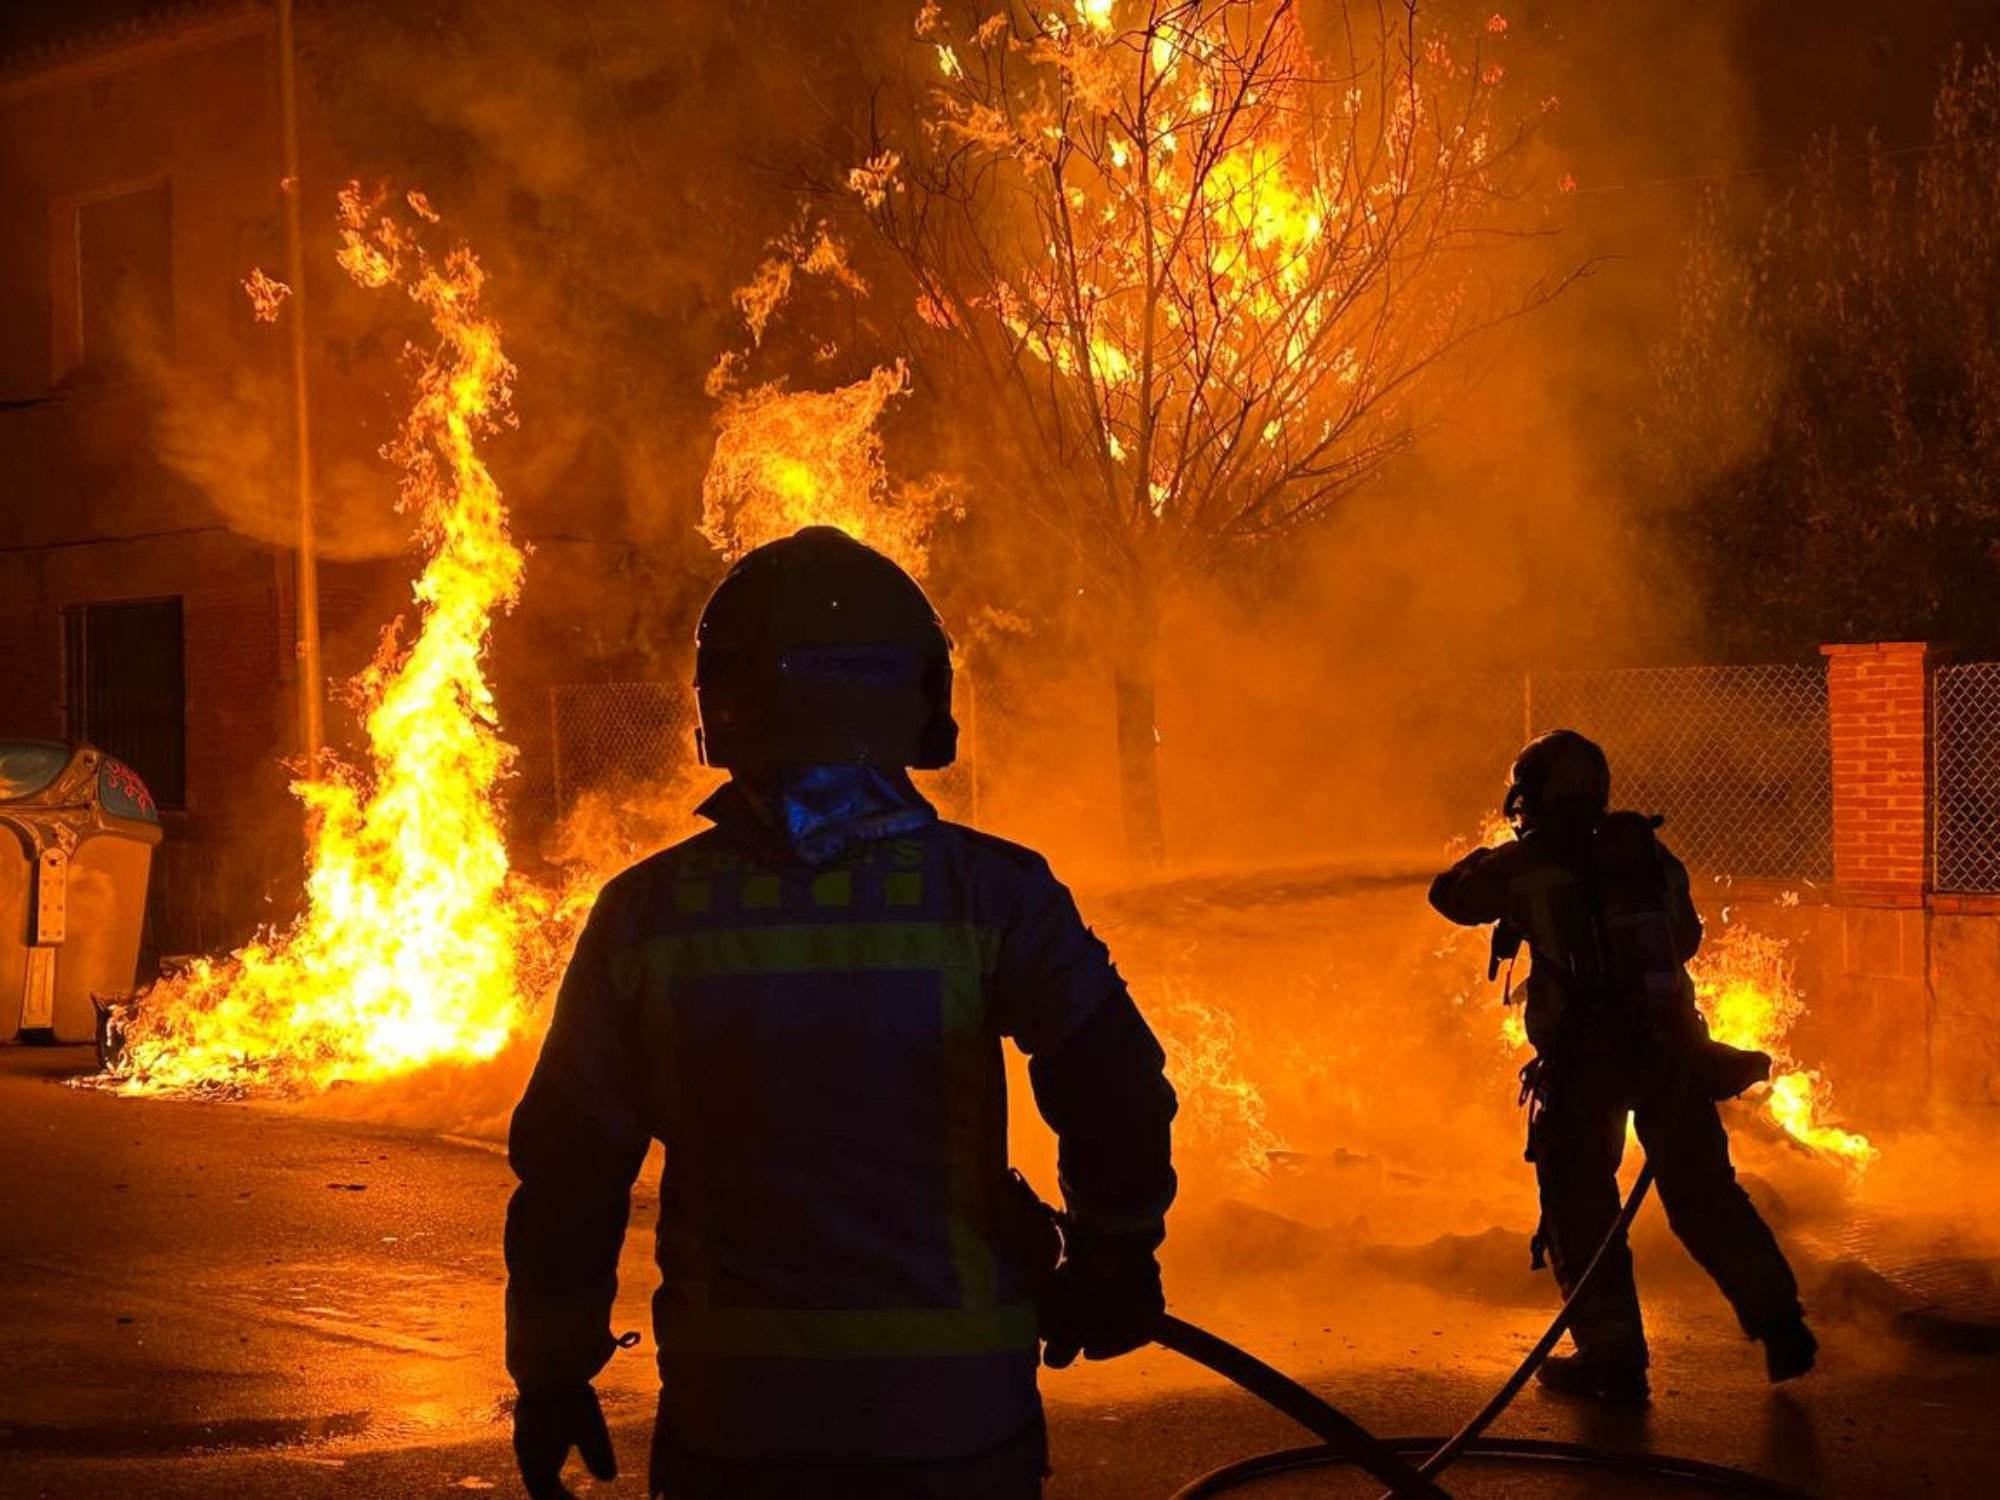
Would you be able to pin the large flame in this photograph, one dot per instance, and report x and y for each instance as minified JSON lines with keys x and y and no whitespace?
{"x":415,"y":945}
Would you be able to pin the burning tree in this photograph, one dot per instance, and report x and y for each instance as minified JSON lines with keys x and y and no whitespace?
{"x":1197,"y":265}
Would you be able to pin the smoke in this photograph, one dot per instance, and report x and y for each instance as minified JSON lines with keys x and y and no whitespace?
{"x":228,"y":434}
{"x":1332,"y":711}
{"x":629,"y":178}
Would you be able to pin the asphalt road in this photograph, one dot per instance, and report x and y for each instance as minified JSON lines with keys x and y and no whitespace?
{"x":238,"y":1300}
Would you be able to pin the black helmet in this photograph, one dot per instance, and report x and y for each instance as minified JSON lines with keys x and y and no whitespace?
{"x":1556,"y":772}
{"x":815,"y":649}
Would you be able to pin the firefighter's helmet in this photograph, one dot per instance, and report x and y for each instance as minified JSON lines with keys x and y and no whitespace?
{"x":1558,"y":773}
{"x":815,"y":649}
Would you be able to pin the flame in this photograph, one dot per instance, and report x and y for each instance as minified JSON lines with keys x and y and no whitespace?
{"x":1175,"y":144}
{"x":415,"y":945}
{"x":1095,"y":13}
{"x":786,"y":459}
{"x":267,"y":294}
{"x":1219,"y":1103}
{"x":1745,"y":988}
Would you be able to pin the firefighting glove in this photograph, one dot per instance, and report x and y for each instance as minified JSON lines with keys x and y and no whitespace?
{"x":1104,"y":1300}
{"x":548,"y":1422}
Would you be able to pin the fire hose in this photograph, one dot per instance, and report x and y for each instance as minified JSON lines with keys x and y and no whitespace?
{"x":1343,"y":1441}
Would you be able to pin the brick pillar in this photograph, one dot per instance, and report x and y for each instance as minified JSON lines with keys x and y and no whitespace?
{"x":1879,"y":708}
{"x":1879,"y":720}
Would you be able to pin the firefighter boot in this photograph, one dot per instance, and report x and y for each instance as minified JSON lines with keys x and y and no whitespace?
{"x":1597,"y":1377}
{"x":1790,"y":1350}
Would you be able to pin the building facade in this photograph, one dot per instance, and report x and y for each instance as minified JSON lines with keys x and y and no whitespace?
{"x":140,"y":170}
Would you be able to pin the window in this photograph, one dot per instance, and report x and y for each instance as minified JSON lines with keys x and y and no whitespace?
{"x":127,"y":689}
{"x":123,"y":312}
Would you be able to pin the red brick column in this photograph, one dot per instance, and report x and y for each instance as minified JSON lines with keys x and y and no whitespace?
{"x":1879,"y":708}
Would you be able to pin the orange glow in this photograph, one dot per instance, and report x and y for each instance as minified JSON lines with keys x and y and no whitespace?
{"x":416,"y":945}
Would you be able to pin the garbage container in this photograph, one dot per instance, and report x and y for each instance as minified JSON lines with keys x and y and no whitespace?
{"x":77,"y":831}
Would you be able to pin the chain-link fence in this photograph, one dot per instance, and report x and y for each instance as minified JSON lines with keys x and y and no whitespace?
{"x":1966,"y":777}
{"x":1737,"y":758}
{"x":604,"y":733}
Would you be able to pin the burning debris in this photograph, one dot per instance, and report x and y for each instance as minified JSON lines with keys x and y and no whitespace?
{"x":1744,"y":985}
{"x":1222,"y":1108}
{"x":267,"y":295}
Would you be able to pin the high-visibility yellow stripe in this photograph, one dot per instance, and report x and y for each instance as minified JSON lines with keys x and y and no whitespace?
{"x":833,"y":888}
{"x":905,"y":888}
{"x":816,"y":948}
{"x":908,"y":1332}
{"x":760,"y":892}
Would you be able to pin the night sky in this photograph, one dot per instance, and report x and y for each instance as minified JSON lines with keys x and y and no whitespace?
{"x":1806,"y":65}
{"x":1803,"y":65}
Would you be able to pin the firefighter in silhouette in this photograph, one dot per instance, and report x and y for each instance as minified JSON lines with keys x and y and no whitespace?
{"x":805,"y":1003}
{"x":1605,"y":910}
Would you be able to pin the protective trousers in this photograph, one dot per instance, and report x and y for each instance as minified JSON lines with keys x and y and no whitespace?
{"x":1011,"y":1471}
{"x":1577,"y":1141}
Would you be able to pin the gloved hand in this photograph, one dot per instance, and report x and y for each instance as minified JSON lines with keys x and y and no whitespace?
{"x":1104,"y":1300}
{"x":548,"y":1422}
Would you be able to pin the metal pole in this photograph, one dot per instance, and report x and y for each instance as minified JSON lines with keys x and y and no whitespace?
{"x":311,"y":721}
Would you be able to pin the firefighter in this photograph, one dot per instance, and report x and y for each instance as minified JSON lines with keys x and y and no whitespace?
{"x":1605,"y":910}
{"x":805,"y":1003}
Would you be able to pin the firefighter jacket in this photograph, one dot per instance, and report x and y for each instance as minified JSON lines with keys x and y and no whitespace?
{"x":1546,"y":889}
{"x":818,"y":1046}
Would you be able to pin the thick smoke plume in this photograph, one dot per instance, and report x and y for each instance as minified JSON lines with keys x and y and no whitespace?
{"x":1324,"y":707}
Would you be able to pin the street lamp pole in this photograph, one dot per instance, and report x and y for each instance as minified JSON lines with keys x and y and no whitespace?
{"x":306,"y":593}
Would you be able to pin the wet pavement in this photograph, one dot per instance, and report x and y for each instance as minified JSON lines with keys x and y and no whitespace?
{"x":1931,"y":1282}
{"x":238,"y":1300}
